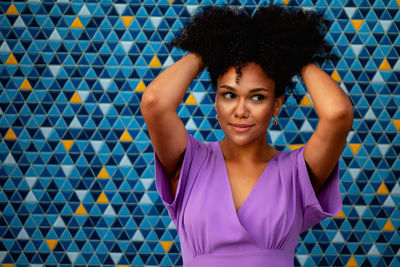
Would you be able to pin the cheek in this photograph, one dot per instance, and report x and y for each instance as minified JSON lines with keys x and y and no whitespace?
{"x":222,"y":110}
{"x":222,"y":106}
{"x":264,"y":113}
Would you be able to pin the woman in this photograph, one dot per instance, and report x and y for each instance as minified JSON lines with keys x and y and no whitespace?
{"x":239,"y":201}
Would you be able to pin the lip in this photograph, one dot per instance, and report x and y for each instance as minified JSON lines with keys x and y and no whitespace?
{"x":241,"y":127}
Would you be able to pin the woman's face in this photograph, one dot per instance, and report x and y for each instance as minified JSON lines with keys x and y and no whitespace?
{"x":249,"y":102}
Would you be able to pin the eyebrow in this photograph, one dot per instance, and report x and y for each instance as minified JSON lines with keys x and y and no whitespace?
{"x":251,"y":91}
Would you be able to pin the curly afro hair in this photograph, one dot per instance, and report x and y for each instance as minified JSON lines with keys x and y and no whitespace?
{"x":280,"y":39}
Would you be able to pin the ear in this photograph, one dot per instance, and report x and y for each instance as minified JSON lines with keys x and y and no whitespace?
{"x":278,"y":104}
{"x":216,"y":101}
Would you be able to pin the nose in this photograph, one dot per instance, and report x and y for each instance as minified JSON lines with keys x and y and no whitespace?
{"x":241,"y":109}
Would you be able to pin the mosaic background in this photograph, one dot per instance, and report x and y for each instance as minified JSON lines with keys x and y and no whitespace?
{"x":77,"y":173}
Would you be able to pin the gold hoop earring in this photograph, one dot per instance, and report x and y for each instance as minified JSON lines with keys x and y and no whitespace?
{"x":216,"y":116}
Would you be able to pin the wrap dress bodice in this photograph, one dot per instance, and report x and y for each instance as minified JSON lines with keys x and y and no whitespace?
{"x":265,"y":230}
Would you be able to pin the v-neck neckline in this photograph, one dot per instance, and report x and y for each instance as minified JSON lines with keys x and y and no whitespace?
{"x":226,"y":178}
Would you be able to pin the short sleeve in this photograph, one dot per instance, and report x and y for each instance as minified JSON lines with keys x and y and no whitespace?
{"x":194,"y":156}
{"x":327,"y":203}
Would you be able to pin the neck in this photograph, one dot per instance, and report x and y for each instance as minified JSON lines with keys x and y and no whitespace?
{"x":256,"y":151}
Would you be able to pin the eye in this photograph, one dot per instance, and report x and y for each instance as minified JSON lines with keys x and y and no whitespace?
{"x":260,"y":97}
{"x":225,"y":94}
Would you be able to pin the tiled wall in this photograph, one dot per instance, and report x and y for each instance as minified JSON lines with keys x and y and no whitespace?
{"x":77,"y":173}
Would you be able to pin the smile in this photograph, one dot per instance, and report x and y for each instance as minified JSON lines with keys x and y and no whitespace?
{"x":239,"y":128}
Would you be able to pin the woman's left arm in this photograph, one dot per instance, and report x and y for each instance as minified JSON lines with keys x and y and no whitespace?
{"x":335,"y":112}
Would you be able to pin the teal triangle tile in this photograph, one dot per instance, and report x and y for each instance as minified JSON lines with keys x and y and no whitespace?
{"x":97,"y":10}
{"x":371,"y":18}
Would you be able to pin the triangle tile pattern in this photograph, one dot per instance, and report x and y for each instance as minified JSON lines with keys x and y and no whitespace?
{"x":77,"y":171}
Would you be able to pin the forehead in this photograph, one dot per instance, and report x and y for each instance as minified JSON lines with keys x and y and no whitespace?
{"x":253,"y":76}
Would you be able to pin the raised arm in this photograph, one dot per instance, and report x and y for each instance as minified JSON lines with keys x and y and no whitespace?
{"x":158,"y":106}
{"x":335,"y":113}
{"x":169,"y":87}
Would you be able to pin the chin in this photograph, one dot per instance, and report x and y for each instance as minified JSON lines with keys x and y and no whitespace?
{"x":240,"y":140}
{"x":245,"y":138}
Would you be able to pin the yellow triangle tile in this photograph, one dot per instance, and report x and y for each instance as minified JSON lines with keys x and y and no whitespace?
{"x":103,"y":173}
{"x":126,"y":20}
{"x":357,"y":23}
{"x":396,"y":122}
{"x":385,"y":65}
{"x":11,"y":60}
{"x":354,"y":148}
{"x":102,"y":198}
{"x":388,"y":226}
{"x":170,"y":1}
{"x":293,"y":147}
{"x":140,"y":87}
{"x":51,"y":243}
{"x":7,"y":265}
{"x":398,"y":2}
{"x":12,"y":10}
{"x":10,"y":135}
{"x":306,"y":101}
{"x":75,"y":98}
{"x":166,"y":245}
{"x":26,"y":85}
{"x":286,"y":2}
{"x":77,"y":23}
{"x":126,"y":137}
{"x":352,"y":262}
{"x":122,"y":265}
{"x":340,"y":215}
{"x":383,"y":190}
{"x":67,"y":144}
{"x":155,"y":62}
{"x":191,"y":100}
{"x":336,"y":77}
{"x":81,"y":210}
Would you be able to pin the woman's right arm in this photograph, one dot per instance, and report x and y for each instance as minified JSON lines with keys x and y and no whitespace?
{"x":158,"y":107}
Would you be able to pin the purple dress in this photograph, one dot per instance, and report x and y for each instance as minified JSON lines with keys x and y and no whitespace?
{"x":265,"y":230}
